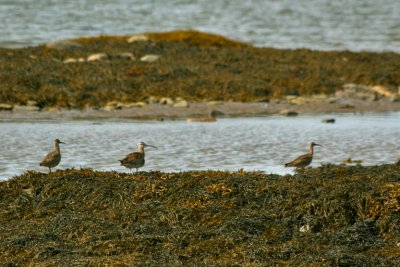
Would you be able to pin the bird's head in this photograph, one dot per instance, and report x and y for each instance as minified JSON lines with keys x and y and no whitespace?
{"x":314,"y":144}
{"x":143,"y":145}
{"x":57,"y":142}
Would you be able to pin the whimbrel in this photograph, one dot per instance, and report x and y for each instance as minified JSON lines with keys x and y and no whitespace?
{"x":53,"y":158}
{"x":135,"y":159}
{"x":303,"y":160}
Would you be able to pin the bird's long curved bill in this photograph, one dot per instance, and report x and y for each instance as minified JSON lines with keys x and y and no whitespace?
{"x":153,"y":146}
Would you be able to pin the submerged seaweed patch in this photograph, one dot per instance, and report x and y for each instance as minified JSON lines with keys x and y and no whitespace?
{"x":331,"y":215}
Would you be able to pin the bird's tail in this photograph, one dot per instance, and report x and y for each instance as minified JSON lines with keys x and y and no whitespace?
{"x":287,"y":164}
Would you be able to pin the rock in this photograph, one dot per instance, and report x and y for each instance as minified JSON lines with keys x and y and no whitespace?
{"x":31,"y":103}
{"x":181,"y":104}
{"x":6,"y":107}
{"x":113,"y":105}
{"x":298,"y":100}
{"x":109,"y":108}
{"x":214,"y":103}
{"x":126,"y":55}
{"x":63,"y":45}
{"x":135,"y":105}
{"x":382,"y":91}
{"x":96,"y":57}
{"x":26,"y":108}
{"x":288,"y":113}
{"x":329,"y":120}
{"x":150,"y":58}
{"x":152,"y":100}
{"x":138,"y":38}
{"x":166,"y":101}
{"x":53,"y":109}
{"x":70,"y":60}
{"x":215,"y":113}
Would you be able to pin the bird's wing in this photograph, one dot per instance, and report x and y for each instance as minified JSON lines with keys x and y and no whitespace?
{"x":49,"y":157}
{"x":299,"y":160}
{"x":132,"y":157}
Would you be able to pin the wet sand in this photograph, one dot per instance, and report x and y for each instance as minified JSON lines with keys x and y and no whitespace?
{"x":201,"y":109}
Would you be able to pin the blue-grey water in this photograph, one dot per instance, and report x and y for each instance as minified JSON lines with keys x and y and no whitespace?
{"x":260,"y":143}
{"x":316,"y":24}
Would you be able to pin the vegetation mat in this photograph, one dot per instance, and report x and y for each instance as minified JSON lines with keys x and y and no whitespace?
{"x":325,"y":216}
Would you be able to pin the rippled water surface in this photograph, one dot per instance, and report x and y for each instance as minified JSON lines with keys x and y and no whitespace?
{"x":318,"y":24}
{"x":262,"y":143}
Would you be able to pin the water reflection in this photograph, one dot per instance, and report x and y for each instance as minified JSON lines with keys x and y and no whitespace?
{"x":262,"y":143}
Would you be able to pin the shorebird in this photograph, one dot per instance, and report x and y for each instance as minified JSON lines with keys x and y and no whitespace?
{"x":53,"y":158}
{"x":135,"y":159}
{"x":303,"y":160}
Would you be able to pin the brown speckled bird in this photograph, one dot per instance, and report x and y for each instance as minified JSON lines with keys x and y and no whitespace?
{"x":303,"y":160}
{"x":135,"y":159}
{"x":53,"y":158}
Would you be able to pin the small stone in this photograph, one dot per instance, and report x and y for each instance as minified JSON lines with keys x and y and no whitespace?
{"x":138,"y":38}
{"x":214,"y":103}
{"x":26,"y":108}
{"x":63,"y":45}
{"x":113,"y":105}
{"x":152,"y":100}
{"x":150,"y":58}
{"x":329,"y":120}
{"x":53,"y":109}
{"x":97,"y":57}
{"x":6,"y":107}
{"x":166,"y":101}
{"x":135,"y":105}
{"x":31,"y":103}
{"x":298,"y":100}
{"x":181,"y":104}
{"x":215,"y":113}
{"x":289,"y":113}
{"x":382,"y":90}
{"x":70,"y":60}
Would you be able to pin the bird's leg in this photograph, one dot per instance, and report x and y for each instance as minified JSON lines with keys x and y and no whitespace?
{"x":136,"y":170}
{"x":50,"y":169}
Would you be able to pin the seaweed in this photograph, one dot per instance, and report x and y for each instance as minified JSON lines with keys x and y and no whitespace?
{"x":326,"y":216}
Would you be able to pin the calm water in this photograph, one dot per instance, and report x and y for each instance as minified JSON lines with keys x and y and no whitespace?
{"x":317,"y":24}
{"x":263,"y":143}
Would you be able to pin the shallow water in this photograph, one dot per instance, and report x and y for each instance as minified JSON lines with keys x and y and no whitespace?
{"x":317,"y":24}
{"x":261,"y":143}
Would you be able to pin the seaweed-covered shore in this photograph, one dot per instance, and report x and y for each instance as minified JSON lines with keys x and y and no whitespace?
{"x":325,"y":216}
{"x":175,"y":69}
